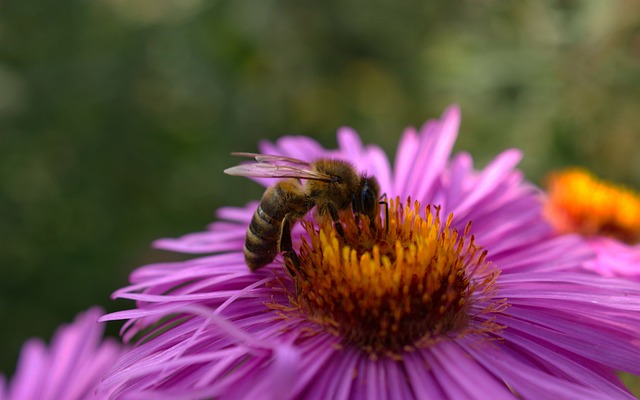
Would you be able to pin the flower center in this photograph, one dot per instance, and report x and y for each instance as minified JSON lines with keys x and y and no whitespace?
{"x":580,"y":203}
{"x":392,"y":287}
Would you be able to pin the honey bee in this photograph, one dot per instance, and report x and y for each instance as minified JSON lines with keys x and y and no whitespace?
{"x":330,"y":185}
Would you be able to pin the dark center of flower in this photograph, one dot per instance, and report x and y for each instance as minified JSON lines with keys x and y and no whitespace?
{"x":391,"y":288}
{"x":581,"y":203}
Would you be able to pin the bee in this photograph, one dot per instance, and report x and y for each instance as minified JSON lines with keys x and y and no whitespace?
{"x":329,"y":185}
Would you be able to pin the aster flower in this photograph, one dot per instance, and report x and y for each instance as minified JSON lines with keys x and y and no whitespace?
{"x":607,"y":215}
{"x":69,"y":369}
{"x":464,"y":293}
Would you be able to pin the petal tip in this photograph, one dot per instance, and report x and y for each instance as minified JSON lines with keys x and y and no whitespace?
{"x":452,"y":112}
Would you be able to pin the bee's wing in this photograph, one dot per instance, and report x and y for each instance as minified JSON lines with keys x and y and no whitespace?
{"x":263,"y":170}
{"x":272,"y":159}
{"x":273,"y":166}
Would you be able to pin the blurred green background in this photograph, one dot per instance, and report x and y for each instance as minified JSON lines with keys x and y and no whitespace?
{"x":117,"y":117}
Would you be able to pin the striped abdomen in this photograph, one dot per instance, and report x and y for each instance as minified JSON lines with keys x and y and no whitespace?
{"x":279,"y":201}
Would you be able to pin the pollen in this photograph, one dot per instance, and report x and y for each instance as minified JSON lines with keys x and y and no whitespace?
{"x":391,"y":288}
{"x":581,"y":203}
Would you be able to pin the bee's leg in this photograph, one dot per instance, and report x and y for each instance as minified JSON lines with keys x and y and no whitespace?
{"x":356,"y":211}
{"x":333,"y":212}
{"x":383,"y":200}
{"x":285,"y":245}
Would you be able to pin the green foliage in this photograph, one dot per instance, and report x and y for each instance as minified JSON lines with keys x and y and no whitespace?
{"x":117,"y":116}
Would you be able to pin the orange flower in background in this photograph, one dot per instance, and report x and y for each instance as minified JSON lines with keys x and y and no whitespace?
{"x":608,"y":215}
{"x":581,"y":203}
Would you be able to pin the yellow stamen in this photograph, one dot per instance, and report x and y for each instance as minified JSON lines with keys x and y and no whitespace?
{"x":385,"y":289}
{"x":581,"y":203}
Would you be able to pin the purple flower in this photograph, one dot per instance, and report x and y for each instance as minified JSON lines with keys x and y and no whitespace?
{"x":470,"y":297}
{"x":70,"y":369}
{"x":615,"y":258}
